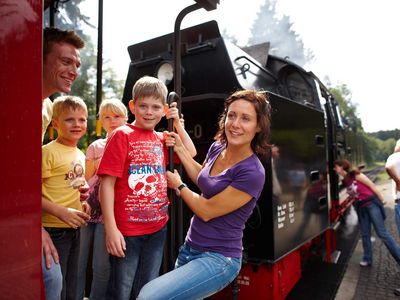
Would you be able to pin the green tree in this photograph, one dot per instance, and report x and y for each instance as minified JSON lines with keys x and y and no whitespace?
{"x":348,"y":109}
{"x":387,"y":134}
{"x":367,"y":146}
{"x":385,"y":148}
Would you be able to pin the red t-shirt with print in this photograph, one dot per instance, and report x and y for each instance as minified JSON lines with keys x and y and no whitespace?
{"x":138,"y":158}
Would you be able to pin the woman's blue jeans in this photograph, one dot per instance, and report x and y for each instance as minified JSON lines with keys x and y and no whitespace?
{"x":140,"y":265}
{"x":94,"y":234}
{"x":397,"y":216}
{"x":197,"y":275}
{"x":371,"y":214}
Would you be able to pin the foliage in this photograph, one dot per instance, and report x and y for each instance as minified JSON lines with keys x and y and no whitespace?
{"x":69,"y":16}
{"x":371,"y":147}
{"x":387,"y":134}
{"x":385,"y":148}
{"x":284,"y":41}
{"x":68,"y":13}
{"x":343,"y":95}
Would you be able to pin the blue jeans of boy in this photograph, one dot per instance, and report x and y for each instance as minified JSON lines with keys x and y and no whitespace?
{"x":94,"y":234}
{"x":142,"y":262}
{"x":52,"y":279}
{"x":66,"y":240}
{"x":371,"y":214}
{"x":197,"y":275}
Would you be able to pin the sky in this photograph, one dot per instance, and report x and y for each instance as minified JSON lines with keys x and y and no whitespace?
{"x":354,"y":42}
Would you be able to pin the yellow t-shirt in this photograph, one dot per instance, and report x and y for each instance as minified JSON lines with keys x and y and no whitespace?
{"x":47,"y":113}
{"x":62,"y":174}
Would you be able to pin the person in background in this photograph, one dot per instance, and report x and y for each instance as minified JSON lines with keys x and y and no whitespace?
{"x":231,"y":180}
{"x":62,"y":176}
{"x":113,"y":114}
{"x":393,"y":169}
{"x":369,"y":206}
{"x":133,"y":190}
{"x":61,"y":61}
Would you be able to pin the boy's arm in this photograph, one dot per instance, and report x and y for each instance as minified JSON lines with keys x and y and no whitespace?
{"x":70,"y":216}
{"x":191,"y":166}
{"x":90,"y":168}
{"x":186,"y":140}
{"x":173,"y":113}
{"x":115,"y":241}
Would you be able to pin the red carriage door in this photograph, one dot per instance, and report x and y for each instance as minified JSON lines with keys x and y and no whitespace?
{"x":20,"y":150}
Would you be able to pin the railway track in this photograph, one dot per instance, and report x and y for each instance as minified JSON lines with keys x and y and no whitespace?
{"x":373,"y":173}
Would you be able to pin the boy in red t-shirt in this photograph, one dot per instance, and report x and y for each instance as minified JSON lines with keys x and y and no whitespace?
{"x":133,"y":190}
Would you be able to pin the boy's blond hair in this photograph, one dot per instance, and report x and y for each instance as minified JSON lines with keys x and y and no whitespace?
{"x":113,"y":105}
{"x":148,"y":86}
{"x":63,"y":103}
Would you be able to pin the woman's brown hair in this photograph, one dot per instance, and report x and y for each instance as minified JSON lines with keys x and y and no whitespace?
{"x":346,"y":165}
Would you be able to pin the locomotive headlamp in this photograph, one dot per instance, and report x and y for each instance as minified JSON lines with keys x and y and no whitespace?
{"x":165,"y":72}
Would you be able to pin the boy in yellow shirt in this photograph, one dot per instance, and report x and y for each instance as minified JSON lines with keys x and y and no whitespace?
{"x":62,"y":175}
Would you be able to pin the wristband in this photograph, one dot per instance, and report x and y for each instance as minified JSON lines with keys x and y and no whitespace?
{"x":183,"y":185}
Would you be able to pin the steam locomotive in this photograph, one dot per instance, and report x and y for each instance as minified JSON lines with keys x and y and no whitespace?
{"x":300,"y":201}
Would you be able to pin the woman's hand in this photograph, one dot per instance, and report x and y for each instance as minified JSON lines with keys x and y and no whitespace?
{"x":173,"y":179}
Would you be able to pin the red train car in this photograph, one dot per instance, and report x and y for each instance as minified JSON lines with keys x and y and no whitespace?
{"x":20,"y":183}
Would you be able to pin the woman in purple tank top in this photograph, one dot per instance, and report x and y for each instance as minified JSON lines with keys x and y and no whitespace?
{"x":231,"y":180}
{"x":369,"y":206}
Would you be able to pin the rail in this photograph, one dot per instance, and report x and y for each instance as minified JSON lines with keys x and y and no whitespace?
{"x":373,"y":173}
